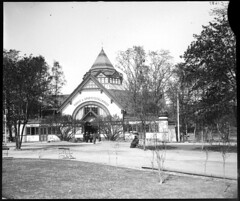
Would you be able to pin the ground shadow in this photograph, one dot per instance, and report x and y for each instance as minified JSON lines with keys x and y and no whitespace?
{"x":217,"y":148}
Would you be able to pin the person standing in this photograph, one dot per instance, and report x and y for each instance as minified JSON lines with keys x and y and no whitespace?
{"x":91,"y":137}
{"x":87,"y":136}
{"x":94,"y":138}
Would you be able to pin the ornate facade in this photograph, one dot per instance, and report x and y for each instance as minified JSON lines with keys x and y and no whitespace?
{"x":101,"y":93}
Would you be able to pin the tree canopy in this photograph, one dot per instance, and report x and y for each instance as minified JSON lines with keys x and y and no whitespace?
{"x":147,"y":77}
{"x":26,"y":84}
{"x":208,"y":73}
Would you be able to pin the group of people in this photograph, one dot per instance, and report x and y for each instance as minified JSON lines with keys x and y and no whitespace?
{"x":92,"y":137}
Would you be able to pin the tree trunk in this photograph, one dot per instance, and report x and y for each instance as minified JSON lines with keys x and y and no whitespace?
{"x":194,"y":132}
{"x":144,"y":136}
{"x":10,"y":132}
{"x":16,"y":134}
{"x":144,"y":140}
{"x":22,"y":131}
{"x":186,"y":133}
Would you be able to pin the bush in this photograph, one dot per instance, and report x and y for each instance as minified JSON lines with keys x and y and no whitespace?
{"x":73,"y":140}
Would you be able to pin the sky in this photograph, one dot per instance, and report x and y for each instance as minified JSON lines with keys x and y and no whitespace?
{"x":73,"y":33}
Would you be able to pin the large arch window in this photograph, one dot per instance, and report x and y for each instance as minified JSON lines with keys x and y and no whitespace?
{"x":91,"y":107}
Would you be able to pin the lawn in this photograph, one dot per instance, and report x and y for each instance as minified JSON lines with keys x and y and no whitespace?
{"x":216,"y":148}
{"x":41,"y":179}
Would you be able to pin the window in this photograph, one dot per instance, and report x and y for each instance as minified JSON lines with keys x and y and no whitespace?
{"x":91,"y":108}
{"x":95,"y":109}
{"x":91,"y":84}
{"x":147,"y":128}
{"x":37,"y":129}
{"x":139,"y":128}
{"x":86,"y":110}
{"x":49,"y":130}
{"x":28,"y":131}
{"x":33,"y":131}
{"x":134,"y":127}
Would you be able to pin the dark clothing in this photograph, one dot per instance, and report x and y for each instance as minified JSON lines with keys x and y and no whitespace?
{"x":134,"y":142}
{"x":91,"y":137}
{"x":94,"y":138}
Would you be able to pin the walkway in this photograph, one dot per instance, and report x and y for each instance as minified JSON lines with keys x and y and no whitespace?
{"x":119,"y":154}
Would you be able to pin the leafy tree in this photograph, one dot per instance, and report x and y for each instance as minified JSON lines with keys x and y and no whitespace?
{"x":209,"y":71}
{"x":58,"y":81}
{"x":9,"y":60}
{"x":25,"y":84}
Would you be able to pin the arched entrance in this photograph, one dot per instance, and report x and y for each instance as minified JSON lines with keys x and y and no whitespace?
{"x":88,"y":112}
{"x":90,"y":130}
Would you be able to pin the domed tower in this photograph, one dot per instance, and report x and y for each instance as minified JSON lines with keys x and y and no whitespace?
{"x":106,"y":74}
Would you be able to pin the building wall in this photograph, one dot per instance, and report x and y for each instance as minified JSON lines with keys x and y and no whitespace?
{"x":164,"y":132}
{"x":95,"y":96}
{"x":36,"y":137}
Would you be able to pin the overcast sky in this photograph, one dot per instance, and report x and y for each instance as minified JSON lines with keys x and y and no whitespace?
{"x":73,"y":33}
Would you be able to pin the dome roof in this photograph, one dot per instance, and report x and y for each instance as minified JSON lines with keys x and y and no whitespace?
{"x":102,"y":62}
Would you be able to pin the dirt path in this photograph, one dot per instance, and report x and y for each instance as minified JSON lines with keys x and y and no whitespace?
{"x":119,"y":154}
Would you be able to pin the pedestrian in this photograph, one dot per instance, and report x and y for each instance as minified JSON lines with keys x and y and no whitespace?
{"x":91,"y":137}
{"x":87,"y":136}
{"x":99,"y":136}
{"x":94,"y":138}
{"x":135,"y":142}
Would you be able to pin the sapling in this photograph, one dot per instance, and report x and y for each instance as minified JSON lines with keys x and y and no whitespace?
{"x":160,"y":157}
{"x":224,"y":130}
{"x":206,"y":149}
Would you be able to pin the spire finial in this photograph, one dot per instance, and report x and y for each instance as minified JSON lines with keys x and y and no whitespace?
{"x":102,"y":45}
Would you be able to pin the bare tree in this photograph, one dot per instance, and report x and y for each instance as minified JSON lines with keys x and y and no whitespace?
{"x":160,"y":151}
{"x":223,"y":127}
{"x":146,"y":80}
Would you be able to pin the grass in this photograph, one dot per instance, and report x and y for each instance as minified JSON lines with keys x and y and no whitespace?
{"x":216,"y":148}
{"x":65,"y":179}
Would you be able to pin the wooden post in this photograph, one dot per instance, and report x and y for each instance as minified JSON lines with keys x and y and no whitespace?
{"x":178,"y":127}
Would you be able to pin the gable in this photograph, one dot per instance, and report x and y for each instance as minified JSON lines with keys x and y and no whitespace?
{"x":90,"y":85}
{"x":101,"y":75}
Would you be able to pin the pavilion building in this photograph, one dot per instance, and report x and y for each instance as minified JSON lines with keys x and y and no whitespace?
{"x":101,"y":93}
